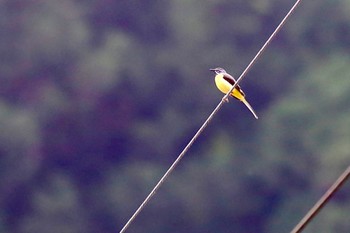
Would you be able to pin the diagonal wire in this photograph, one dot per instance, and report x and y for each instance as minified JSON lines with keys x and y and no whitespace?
{"x":205,"y":124}
{"x":322,"y":201}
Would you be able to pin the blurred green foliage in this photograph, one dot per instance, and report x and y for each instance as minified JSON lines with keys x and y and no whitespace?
{"x":98,"y":97}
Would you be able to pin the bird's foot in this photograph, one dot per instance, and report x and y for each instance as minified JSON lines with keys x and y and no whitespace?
{"x":225,"y":99}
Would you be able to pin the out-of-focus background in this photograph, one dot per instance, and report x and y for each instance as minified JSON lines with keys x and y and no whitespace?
{"x":98,"y":97}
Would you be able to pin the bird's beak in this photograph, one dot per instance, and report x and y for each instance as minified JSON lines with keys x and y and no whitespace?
{"x":212,"y":70}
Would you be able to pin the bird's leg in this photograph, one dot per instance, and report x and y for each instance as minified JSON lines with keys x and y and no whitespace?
{"x":225,"y":99}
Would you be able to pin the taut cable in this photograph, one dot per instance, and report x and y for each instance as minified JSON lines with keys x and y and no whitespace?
{"x":205,"y":124}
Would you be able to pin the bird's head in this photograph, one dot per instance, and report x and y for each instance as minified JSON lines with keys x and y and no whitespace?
{"x":218,"y":70}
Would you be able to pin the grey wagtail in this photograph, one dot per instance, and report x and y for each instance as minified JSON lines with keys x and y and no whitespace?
{"x":224,"y":83}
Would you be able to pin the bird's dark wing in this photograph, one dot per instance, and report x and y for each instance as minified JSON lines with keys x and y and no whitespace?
{"x":229,"y":79}
{"x":232,"y":81}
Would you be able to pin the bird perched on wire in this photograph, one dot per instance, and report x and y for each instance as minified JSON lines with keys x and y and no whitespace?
{"x":224,"y":83}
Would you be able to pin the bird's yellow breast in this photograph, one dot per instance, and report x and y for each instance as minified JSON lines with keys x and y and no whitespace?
{"x":225,"y":86}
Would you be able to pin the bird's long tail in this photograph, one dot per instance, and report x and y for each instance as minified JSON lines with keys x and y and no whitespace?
{"x":249,"y":107}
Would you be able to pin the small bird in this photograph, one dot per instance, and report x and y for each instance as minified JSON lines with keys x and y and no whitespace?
{"x":224,"y":83}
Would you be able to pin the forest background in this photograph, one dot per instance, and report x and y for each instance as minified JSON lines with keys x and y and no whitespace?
{"x":98,"y":97}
